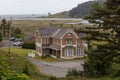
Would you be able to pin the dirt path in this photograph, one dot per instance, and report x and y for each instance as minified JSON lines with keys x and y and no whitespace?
{"x":58,"y":69}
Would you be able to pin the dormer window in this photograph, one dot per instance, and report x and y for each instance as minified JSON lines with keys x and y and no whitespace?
{"x":68,"y":41}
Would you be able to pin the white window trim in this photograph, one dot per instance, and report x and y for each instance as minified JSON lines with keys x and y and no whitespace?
{"x":69,"y":53}
{"x":80,"y":51}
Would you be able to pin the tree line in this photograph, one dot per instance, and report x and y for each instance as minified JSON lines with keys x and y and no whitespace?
{"x":7,"y":29}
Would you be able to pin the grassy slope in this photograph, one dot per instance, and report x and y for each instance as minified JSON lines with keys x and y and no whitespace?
{"x":20,"y":65}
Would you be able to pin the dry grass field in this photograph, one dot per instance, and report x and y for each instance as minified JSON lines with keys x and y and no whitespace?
{"x":28,"y":26}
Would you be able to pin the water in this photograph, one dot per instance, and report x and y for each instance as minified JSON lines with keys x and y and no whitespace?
{"x":33,"y":17}
{"x":20,"y":17}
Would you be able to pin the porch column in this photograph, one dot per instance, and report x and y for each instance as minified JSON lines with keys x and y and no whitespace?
{"x":56,"y":53}
{"x":43,"y":52}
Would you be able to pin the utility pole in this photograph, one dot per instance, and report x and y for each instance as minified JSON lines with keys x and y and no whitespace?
{"x":9,"y":34}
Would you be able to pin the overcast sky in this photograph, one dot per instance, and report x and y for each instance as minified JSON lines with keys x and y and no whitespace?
{"x":37,"y":6}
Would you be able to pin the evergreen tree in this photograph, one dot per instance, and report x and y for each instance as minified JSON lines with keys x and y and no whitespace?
{"x":101,"y":55}
{"x":17,"y":30}
{"x":0,"y":36}
{"x":5,"y":27}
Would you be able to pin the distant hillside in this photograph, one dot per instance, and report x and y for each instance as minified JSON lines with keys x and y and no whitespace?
{"x":79,"y":11}
{"x":83,"y":9}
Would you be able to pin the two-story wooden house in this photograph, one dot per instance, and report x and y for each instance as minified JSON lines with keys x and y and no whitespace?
{"x":60,"y":43}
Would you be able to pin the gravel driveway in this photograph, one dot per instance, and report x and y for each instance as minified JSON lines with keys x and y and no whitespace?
{"x":58,"y":69}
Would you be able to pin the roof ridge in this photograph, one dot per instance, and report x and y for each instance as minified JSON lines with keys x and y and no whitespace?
{"x":56,"y":32}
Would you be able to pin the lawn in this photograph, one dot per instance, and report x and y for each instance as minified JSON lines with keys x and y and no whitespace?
{"x":24,"y":52}
{"x":19,"y":51}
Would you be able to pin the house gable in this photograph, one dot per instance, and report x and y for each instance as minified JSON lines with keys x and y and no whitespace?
{"x":69,"y":31}
{"x":68,"y":36}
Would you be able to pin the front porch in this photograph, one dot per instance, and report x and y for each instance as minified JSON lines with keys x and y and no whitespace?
{"x":52,"y":52}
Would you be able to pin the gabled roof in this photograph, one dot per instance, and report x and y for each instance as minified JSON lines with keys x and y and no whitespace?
{"x":47,"y":32}
{"x":29,"y":37}
{"x":54,"y":46}
{"x":57,"y":32}
{"x":60,"y":33}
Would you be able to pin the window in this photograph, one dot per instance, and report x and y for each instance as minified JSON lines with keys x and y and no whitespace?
{"x":80,"y":51}
{"x":68,"y":41}
{"x":46,"y":41}
{"x":69,"y":52}
{"x":38,"y":49}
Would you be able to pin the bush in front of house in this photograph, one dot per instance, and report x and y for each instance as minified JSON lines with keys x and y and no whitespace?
{"x":74,"y":72}
{"x":27,"y":45}
{"x":53,"y":78}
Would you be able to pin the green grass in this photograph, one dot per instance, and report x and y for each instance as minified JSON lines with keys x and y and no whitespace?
{"x":24,"y":52}
{"x":19,"y":51}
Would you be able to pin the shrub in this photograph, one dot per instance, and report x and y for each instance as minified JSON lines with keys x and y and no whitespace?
{"x":74,"y":72}
{"x":27,"y":45}
{"x":45,"y":56}
{"x":53,"y":78}
{"x":115,"y":70}
{"x":7,"y":74}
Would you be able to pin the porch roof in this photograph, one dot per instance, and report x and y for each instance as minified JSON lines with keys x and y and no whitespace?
{"x":45,"y":46}
{"x":56,"y":47}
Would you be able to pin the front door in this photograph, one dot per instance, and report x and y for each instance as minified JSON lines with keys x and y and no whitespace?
{"x":58,"y":54}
